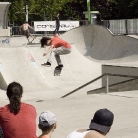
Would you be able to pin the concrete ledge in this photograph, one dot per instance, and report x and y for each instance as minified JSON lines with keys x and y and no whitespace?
{"x":3,"y":84}
{"x":5,"y":32}
{"x":122,"y":70}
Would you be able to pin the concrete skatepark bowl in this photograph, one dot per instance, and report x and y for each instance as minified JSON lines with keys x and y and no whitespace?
{"x":92,"y":47}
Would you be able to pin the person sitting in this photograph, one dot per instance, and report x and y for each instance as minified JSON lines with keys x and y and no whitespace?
{"x":47,"y":124}
{"x":17,"y":119}
{"x":99,"y":126}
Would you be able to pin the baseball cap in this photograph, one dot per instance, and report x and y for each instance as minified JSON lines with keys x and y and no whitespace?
{"x":47,"y":118}
{"x":102,"y":120}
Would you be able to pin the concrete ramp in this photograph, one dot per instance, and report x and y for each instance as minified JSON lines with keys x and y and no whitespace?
{"x":91,"y":47}
{"x":17,"y":64}
{"x":77,"y":70}
{"x":97,"y":42}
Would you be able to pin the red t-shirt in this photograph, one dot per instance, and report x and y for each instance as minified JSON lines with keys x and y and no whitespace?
{"x":58,"y":42}
{"x":21,"y":125}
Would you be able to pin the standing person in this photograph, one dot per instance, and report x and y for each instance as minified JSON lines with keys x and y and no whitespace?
{"x":57,"y":24}
{"x":17,"y":119}
{"x":99,"y":126}
{"x":47,"y":124}
{"x":25,"y":28}
{"x":57,"y":47}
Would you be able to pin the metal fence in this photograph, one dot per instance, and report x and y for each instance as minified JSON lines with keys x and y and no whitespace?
{"x":117,"y":27}
{"x":122,"y":27}
{"x":15,"y":30}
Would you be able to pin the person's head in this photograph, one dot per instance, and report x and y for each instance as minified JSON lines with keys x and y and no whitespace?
{"x":45,"y":41}
{"x":58,"y":14}
{"x":102,"y":121}
{"x":14,"y":93}
{"x":47,"y":122}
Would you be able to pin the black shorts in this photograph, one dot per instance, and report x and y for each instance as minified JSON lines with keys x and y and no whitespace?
{"x":26,"y":33}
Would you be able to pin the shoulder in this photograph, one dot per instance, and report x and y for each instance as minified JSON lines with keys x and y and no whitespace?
{"x":42,"y":136}
{"x":94,"y":133}
{"x":4,"y":107}
{"x":3,"y":110}
{"x":54,"y":38}
{"x":56,"y":35}
{"x":27,"y":105}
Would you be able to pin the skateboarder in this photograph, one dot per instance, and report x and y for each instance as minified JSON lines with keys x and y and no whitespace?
{"x":57,"y":47}
{"x":25,"y":28}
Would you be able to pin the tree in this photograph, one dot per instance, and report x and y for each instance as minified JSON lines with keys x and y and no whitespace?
{"x":71,"y":9}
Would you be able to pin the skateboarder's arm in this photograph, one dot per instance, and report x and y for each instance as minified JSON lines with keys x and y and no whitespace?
{"x":30,"y":27}
{"x":50,"y":48}
{"x":20,"y":27}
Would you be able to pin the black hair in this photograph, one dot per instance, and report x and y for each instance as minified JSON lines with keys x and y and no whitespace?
{"x":14,"y":93}
{"x":44,"y":40}
{"x":46,"y":129}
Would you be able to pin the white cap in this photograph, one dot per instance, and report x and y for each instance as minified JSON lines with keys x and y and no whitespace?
{"x":47,"y":118}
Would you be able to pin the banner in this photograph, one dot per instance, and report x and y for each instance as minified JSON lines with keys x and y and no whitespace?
{"x":50,"y":25}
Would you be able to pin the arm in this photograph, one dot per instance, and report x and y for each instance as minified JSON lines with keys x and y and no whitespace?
{"x":20,"y":28}
{"x":30,"y":27}
{"x":50,"y":48}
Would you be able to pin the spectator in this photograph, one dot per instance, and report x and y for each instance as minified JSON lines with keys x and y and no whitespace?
{"x":17,"y":119}
{"x":47,"y":123}
{"x":57,"y":24}
{"x":99,"y":126}
{"x":25,"y":29}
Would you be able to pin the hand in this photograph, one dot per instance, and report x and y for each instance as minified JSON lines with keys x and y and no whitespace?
{"x":44,"y":54}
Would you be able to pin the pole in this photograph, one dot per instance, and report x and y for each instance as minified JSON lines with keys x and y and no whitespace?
{"x":26,"y":12}
{"x":88,"y":9}
{"x":107,"y":84}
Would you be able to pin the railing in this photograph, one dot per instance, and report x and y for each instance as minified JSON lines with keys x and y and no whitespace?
{"x":117,"y":27}
{"x":107,"y":82}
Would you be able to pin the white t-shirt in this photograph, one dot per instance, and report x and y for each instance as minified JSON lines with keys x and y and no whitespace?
{"x":76,"y":134}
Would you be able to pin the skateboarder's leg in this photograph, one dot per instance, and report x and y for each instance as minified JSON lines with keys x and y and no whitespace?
{"x":58,"y":59}
{"x":50,"y":58}
{"x":61,"y":51}
{"x":57,"y":52}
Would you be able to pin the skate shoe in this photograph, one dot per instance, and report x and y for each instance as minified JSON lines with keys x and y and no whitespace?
{"x":59,"y":67}
{"x":48,"y":64}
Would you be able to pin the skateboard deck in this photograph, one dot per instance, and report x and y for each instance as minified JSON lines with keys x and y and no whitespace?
{"x":30,"y":42}
{"x":57,"y":72}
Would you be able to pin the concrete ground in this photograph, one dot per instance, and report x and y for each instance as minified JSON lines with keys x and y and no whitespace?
{"x":92,"y":46}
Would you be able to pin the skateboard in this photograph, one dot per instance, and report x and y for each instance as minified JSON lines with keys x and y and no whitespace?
{"x":57,"y":72}
{"x":30,"y":42}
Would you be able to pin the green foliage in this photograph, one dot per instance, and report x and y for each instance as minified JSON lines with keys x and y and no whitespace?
{"x":71,"y":9}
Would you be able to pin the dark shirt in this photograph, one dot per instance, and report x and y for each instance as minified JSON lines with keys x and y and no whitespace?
{"x":57,"y":21}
